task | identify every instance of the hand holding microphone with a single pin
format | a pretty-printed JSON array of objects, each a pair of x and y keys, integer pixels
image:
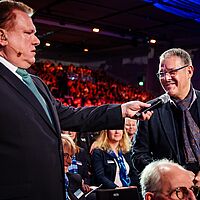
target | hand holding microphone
[
  {"x": 130, "y": 108},
  {"x": 140, "y": 110},
  {"x": 157, "y": 103}
]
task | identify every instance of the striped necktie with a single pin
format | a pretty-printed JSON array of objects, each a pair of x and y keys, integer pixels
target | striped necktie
[{"x": 29, "y": 82}]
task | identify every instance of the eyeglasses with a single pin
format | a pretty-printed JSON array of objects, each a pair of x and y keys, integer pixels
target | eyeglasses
[
  {"x": 182, "y": 192},
  {"x": 171, "y": 73},
  {"x": 66, "y": 155}
]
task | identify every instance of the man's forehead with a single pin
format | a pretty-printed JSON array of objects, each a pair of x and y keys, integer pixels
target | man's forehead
[
  {"x": 23, "y": 19},
  {"x": 170, "y": 65}
]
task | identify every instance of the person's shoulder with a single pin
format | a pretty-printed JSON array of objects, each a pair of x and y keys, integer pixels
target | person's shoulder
[
  {"x": 127, "y": 153},
  {"x": 82, "y": 150},
  {"x": 74, "y": 177},
  {"x": 82, "y": 153},
  {"x": 97, "y": 150}
]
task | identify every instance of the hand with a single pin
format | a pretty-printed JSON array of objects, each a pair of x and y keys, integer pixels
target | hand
[
  {"x": 132, "y": 186},
  {"x": 86, "y": 188},
  {"x": 130, "y": 108}
]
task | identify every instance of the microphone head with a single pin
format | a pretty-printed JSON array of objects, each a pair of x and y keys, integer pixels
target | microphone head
[{"x": 164, "y": 98}]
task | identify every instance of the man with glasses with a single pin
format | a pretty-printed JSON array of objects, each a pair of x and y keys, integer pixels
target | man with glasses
[
  {"x": 166, "y": 180},
  {"x": 173, "y": 131}
]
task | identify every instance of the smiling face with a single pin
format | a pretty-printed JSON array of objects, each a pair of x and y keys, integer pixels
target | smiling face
[
  {"x": 178, "y": 85},
  {"x": 130, "y": 126},
  {"x": 20, "y": 38}
]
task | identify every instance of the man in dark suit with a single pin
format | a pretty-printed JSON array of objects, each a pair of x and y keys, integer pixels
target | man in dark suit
[
  {"x": 170, "y": 132},
  {"x": 30, "y": 148}
]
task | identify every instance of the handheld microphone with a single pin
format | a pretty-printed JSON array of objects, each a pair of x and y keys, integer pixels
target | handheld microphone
[{"x": 157, "y": 103}]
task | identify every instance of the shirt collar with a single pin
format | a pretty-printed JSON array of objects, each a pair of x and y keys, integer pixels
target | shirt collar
[
  {"x": 193, "y": 99},
  {"x": 10, "y": 66}
]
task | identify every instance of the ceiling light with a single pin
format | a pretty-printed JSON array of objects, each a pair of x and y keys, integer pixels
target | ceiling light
[
  {"x": 47, "y": 44},
  {"x": 96, "y": 30},
  {"x": 85, "y": 49},
  {"x": 152, "y": 41}
]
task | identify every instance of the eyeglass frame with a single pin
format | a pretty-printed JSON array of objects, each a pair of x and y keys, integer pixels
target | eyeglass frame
[
  {"x": 184, "y": 192},
  {"x": 161, "y": 75},
  {"x": 66, "y": 155}
]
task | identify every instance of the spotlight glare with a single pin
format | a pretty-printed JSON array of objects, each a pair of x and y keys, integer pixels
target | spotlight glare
[
  {"x": 152, "y": 41},
  {"x": 47, "y": 44},
  {"x": 141, "y": 83},
  {"x": 96, "y": 30}
]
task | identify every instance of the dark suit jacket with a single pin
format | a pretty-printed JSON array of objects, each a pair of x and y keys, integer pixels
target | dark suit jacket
[
  {"x": 157, "y": 137},
  {"x": 82, "y": 158},
  {"x": 30, "y": 148},
  {"x": 75, "y": 184},
  {"x": 104, "y": 169}
]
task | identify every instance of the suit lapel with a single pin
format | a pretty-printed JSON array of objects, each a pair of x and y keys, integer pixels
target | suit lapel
[
  {"x": 167, "y": 121},
  {"x": 24, "y": 91},
  {"x": 198, "y": 103},
  {"x": 50, "y": 105}
]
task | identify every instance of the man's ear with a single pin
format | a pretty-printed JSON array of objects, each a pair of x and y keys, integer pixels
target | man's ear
[
  {"x": 190, "y": 71},
  {"x": 3, "y": 37},
  {"x": 149, "y": 196}
]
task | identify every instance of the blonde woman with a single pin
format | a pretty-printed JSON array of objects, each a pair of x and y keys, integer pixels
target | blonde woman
[
  {"x": 130, "y": 127},
  {"x": 111, "y": 160},
  {"x": 80, "y": 160}
]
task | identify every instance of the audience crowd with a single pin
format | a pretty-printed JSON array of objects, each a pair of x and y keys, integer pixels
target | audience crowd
[{"x": 82, "y": 86}]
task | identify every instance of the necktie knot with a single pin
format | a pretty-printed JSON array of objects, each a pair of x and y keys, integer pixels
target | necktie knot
[
  {"x": 183, "y": 105},
  {"x": 22, "y": 72}
]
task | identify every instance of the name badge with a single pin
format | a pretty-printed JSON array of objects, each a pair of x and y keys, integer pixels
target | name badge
[
  {"x": 110, "y": 161},
  {"x": 78, "y": 193},
  {"x": 79, "y": 163}
]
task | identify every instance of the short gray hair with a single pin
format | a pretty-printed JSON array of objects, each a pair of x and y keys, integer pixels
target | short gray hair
[
  {"x": 181, "y": 53},
  {"x": 151, "y": 176}
]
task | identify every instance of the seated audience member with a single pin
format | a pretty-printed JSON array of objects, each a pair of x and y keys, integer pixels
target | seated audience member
[
  {"x": 130, "y": 127},
  {"x": 111, "y": 160},
  {"x": 166, "y": 180},
  {"x": 80, "y": 160},
  {"x": 74, "y": 184},
  {"x": 85, "y": 139}
]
